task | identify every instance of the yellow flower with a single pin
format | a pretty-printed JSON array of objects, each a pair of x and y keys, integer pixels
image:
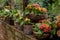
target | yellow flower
[
  {"x": 29, "y": 6},
  {"x": 16, "y": 14},
  {"x": 27, "y": 19},
  {"x": 21, "y": 17}
]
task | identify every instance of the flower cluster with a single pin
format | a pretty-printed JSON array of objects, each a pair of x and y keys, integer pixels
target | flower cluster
[
  {"x": 36, "y": 7},
  {"x": 45, "y": 27}
]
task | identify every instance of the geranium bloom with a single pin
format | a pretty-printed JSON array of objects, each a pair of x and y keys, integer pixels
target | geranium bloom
[{"x": 45, "y": 27}]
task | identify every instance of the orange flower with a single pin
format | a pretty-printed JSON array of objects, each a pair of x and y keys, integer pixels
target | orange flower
[
  {"x": 46, "y": 25},
  {"x": 44, "y": 10},
  {"x": 39, "y": 8},
  {"x": 45, "y": 28}
]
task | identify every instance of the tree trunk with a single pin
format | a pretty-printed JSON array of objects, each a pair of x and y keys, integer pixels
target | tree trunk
[
  {"x": 12, "y": 4},
  {"x": 25, "y": 2}
]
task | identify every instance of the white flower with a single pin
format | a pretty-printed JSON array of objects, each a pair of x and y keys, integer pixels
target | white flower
[{"x": 6, "y": 10}]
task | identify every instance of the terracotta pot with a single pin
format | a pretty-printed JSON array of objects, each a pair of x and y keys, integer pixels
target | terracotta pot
[
  {"x": 44, "y": 35},
  {"x": 28, "y": 29}
]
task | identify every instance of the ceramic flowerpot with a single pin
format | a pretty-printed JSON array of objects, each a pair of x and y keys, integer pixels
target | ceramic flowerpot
[
  {"x": 44, "y": 35},
  {"x": 28, "y": 29},
  {"x": 35, "y": 18}
]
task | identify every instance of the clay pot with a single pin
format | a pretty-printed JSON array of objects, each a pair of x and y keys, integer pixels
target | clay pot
[
  {"x": 44, "y": 35},
  {"x": 28, "y": 29}
]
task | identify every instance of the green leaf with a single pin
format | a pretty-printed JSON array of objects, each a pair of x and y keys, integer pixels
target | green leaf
[
  {"x": 53, "y": 25},
  {"x": 39, "y": 33},
  {"x": 36, "y": 29},
  {"x": 22, "y": 23},
  {"x": 26, "y": 12},
  {"x": 53, "y": 32},
  {"x": 38, "y": 24}
]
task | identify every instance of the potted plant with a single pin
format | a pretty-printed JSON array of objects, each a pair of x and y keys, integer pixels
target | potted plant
[
  {"x": 44, "y": 29},
  {"x": 35, "y": 12},
  {"x": 28, "y": 26}
]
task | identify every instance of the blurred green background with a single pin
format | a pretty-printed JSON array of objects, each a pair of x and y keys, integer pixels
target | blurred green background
[{"x": 54, "y": 8}]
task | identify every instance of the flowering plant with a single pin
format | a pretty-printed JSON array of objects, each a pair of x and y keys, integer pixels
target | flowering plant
[
  {"x": 35, "y": 9},
  {"x": 45, "y": 27}
]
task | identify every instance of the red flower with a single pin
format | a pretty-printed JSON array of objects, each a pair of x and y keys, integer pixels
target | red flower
[
  {"x": 42, "y": 27},
  {"x": 45, "y": 28}
]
